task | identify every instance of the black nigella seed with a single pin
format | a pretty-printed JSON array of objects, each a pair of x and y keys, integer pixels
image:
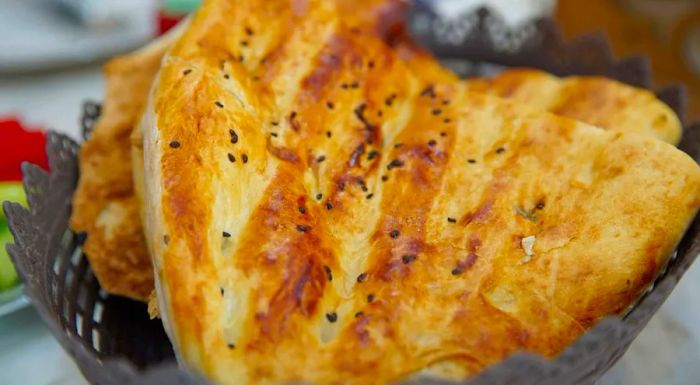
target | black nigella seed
[
  {"x": 436, "y": 111},
  {"x": 443, "y": 133},
  {"x": 408, "y": 258},
  {"x": 446, "y": 120},
  {"x": 432, "y": 143},
  {"x": 540, "y": 205},
  {"x": 275, "y": 123},
  {"x": 370, "y": 64},
  {"x": 319, "y": 196},
  {"x": 174, "y": 144},
  {"x": 241, "y": 58},
  {"x": 292, "y": 115},
  {"x": 248, "y": 31},
  {"x": 380, "y": 113},
  {"x": 385, "y": 178},
  {"x": 359, "y": 314},
  {"x": 320, "y": 159},
  {"x": 372, "y": 154},
  {"x": 362, "y": 277},
  {"x": 398, "y": 145},
  {"x": 302, "y": 209},
  {"x": 456, "y": 271},
  {"x": 234, "y": 136},
  {"x": 472, "y": 161},
  {"x": 329, "y": 104},
  {"x": 329, "y": 205},
  {"x": 273, "y": 134},
  {"x": 364, "y": 187},
  {"x": 451, "y": 220},
  {"x": 369, "y": 196},
  {"x": 226, "y": 235},
  {"x": 354, "y": 85},
  {"x": 500, "y": 150},
  {"x": 244, "y": 158},
  {"x": 329, "y": 273},
  {"x": 166, "y": 239},
  {"x": 331, "y": 317},
  {"x": 186, "y": 72},
  {"x": 370, "y": 297},
  {"x": 244, "y": 43},
  {"x": 221, "y": 289},
  {"x": 428, "y": 91},
  {"x": 328, "y": 134},
  {"x": 445, "y": 102},
  {"x": 219, "y": 104},
  {"x": 303, "y": 228},
  {"x": 226, "y": 76},
  {"x": 344, "y": 86},
  {"x": 394, "y": 164},
  {"x": 231, "y": 346},
  {"x": 394, "y": 233}
]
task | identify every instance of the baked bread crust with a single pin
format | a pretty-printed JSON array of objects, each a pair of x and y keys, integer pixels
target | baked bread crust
[
  {"x": 356, "y": 247},
  {"x": 596, "y": 100}
]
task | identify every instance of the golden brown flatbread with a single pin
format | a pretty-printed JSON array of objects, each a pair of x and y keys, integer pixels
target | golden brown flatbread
[
  {"x": 104, "y": 203},
  {"x": 318, "y": 212}
]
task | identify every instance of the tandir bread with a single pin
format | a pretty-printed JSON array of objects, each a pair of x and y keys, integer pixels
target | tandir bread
[
  {"x": 104, "y": 205},
  {"x": 317, "y": 211}
]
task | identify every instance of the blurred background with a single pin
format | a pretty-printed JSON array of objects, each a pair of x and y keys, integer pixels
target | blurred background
[{"x": 51, "y": 52}]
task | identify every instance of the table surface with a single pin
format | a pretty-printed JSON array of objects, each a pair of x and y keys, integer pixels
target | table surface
[{"x": 667, "y": 351}]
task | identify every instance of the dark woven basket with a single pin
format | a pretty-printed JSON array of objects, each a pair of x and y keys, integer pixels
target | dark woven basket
[{"x": 113, "y": 341}]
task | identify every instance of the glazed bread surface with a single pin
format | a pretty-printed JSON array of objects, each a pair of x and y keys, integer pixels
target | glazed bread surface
[
  {"x": 104, "y": 202},
  {"x": 316, "y": 211}
]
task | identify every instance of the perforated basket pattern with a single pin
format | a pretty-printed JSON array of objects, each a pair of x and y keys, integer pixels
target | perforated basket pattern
[{"x": 113, "y": 341}]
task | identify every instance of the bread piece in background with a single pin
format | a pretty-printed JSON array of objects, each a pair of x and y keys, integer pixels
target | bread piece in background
[
  {"x": 477, "y": 227},
  {"x": 667, "y": 32},
  {"x": 599, "y": 101},
  {"x": 104, "y": 204}
]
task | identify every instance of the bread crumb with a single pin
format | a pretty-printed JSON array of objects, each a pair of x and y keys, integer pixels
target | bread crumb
[
  {"x": 528, "y": 244},
  {"x": 153, "y": 311}
]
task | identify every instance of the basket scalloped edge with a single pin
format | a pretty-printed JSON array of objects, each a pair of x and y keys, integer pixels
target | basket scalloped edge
[{"x": 42, "y": 228}]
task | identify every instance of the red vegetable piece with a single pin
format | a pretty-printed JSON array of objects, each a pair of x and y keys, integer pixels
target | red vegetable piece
[
  {"x": 17, "y": 145},
  {"x": 167, "y": 21}
]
